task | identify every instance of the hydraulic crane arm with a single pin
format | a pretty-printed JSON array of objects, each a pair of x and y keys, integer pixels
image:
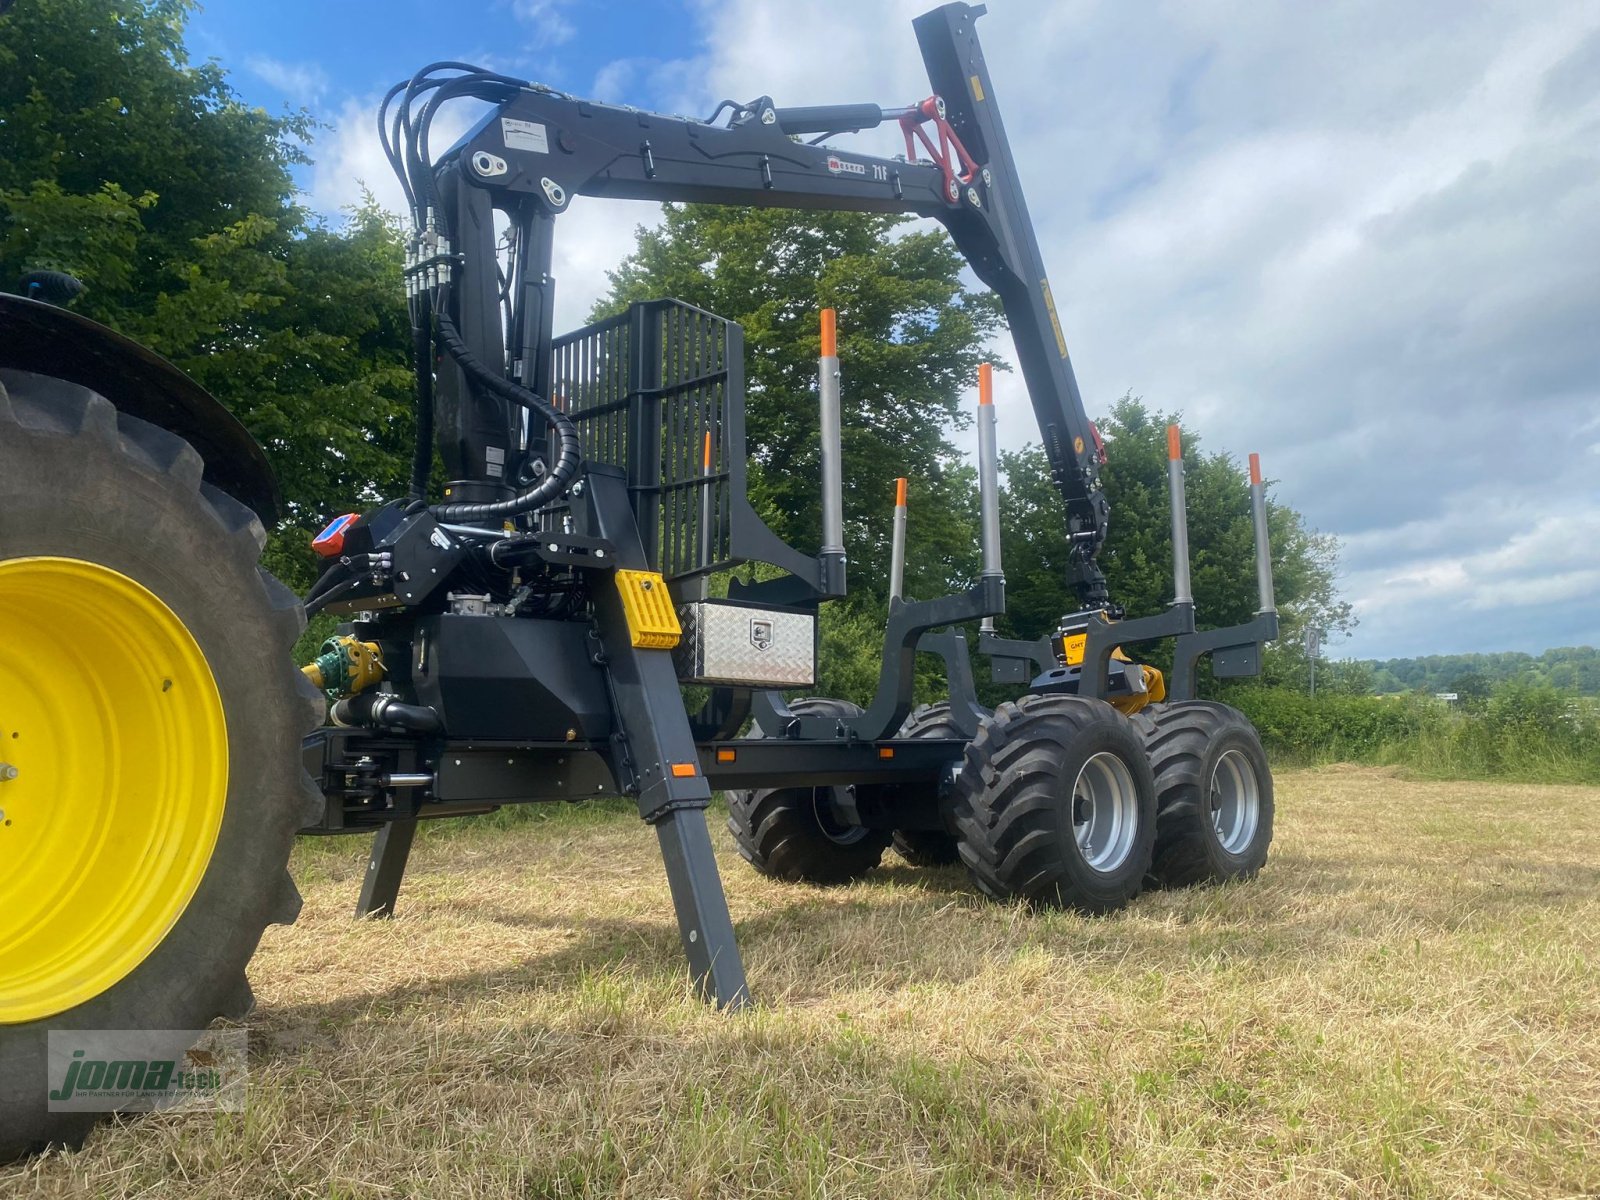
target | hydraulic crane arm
[{"x": 537, "y": 149}]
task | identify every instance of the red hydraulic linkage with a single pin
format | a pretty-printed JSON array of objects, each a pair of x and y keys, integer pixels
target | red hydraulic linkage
[{"x": 947, "y": 154}]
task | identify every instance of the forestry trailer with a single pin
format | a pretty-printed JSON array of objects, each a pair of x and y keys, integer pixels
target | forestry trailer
[{"x": 526, "y": 633}]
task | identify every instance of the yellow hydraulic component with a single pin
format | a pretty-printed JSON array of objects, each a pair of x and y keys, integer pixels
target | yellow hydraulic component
[
  {"x": 1155, "y": 684},
  {"x": 1155, "y": 691},
  {"x": 647, "y": 605},
  {"x": 1072, "y": 649},
  {"x": 345, "y": 666},
  {"x": 113, "y": 780}
]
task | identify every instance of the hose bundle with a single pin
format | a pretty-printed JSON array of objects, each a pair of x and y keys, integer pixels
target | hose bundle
[{"x": 405, "y": 143}]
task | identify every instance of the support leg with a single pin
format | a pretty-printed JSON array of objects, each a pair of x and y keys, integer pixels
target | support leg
[
  {"x": 655, "y": 760},
  {"x": 385, "y": 868},
  {"x": 703, "y": 920}
]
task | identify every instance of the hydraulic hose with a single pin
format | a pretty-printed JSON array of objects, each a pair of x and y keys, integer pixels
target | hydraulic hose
[
  {"x": 422, "y": 353},
  {"x": 379, "y": 708},
  {"x": 569, "y": 453}
]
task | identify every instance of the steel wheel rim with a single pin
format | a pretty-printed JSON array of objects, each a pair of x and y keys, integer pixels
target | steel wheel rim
[
  {"x": 1105, "y": 812},
  {"x": 835, "y": 830},
  {"x": 116, "y": 777},
  {"x": 1235, "y": 801}
]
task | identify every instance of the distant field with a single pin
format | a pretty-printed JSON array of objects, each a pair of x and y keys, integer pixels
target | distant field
[{"x": 1406, "y": 1003}]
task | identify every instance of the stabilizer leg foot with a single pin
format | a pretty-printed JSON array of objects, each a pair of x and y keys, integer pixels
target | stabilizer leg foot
[
  {"x": 385, "y": 868},
  {"x": 703, "y": 920}
]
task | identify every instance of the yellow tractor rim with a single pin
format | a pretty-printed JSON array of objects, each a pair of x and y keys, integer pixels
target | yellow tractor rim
[{"x": 113, "y": 778}]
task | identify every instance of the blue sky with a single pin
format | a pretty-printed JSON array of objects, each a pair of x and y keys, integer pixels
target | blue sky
[
  {"x": 1355, "y": 237},
  {"x": 299, "y": 52}
]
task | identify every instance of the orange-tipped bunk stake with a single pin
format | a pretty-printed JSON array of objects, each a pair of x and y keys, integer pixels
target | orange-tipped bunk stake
[
  {"x": 1258, "y": 518},
  {"x": 832, "y": 554},
  {"x": 1181, "y": 592},
  {"x": 897, "y": 544},
  {"x": 707, "y": 509},
  {"x": 988, "y": 474}
]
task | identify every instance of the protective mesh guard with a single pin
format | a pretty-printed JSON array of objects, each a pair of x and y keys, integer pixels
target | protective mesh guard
[{"x": 659, "y": 392}]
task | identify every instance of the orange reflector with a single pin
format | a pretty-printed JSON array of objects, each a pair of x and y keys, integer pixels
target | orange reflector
[
  {"x": 726, "y": 755},
  {"x": 1174, "y": 442},
  {"x": 1255, "y": 468},
  {"x": 705, "y": 460},
  {"x": 985, "y": 384},
  {"x": 900, "y": 492},
  {"x": 830, "y": 336},
  {"x": 683, "y": 770},
  {"x": 885, "y": 751}
]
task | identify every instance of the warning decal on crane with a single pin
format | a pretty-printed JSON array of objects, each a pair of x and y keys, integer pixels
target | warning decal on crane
[
  {"x": 1055, "y": 321},
  {"x": 524, "y": 135}
]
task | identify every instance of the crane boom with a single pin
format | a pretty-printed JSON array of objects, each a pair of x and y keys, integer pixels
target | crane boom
[{"x": 537, "y": 149}]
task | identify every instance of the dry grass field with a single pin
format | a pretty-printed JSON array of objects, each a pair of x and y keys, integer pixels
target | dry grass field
[{"x": 1406, "y": 1003}]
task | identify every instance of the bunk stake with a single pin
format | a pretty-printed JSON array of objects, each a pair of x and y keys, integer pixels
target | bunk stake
[
  {"x": 832, "y": 555},
  {"x": 1181, "y": 593},
  {"x": 988, "y": 472},
  {"x": 897, "y": 546},
  {"x": 1258, "y": 518}
]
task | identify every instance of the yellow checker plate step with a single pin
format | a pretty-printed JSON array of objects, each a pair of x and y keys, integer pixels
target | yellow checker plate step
[{"x": 647, "y": 605}]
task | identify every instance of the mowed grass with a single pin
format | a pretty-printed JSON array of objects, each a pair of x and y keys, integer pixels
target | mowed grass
[{"x": 1405, "y": 1003}]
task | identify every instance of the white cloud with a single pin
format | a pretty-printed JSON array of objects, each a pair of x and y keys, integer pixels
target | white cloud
[
  {"x": 301, "y": 83},
  {"x": 1353, "y": 237},
  {"x": 592, "y": 237},
  {"x": 550, "y": 25}
]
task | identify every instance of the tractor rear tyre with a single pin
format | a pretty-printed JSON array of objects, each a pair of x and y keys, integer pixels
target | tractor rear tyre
[
  {"x": 150, "y": 726},
  {"x": 1213, "y": 793},
  {"x": 1055, "y": 805},
  {"x": 928, "y": 847},
  {"x": 796, "y": 834}
]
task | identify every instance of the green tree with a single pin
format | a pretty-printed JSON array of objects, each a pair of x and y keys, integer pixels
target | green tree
[
  {"x": 143, "y": 174},
  {"x": 105, "y": 118},
  {"x": 1472, "y": 691},
  {"x": 910, "y": 341},
  {"x": 1137, "y": 556}
]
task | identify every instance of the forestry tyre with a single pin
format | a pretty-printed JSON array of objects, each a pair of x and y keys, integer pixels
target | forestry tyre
[
  {"x": 1055, "y": 805},
  {"x": 1213, "y": 793},
  {"x": 794, "y": 834},
  {"x": 928, "y": 847},
  {"x": 150, "y": 720}
]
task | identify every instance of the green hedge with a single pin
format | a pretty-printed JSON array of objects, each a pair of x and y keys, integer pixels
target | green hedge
[
  {"x": 1333, "y": 727},
  {"x": 1524, "y": 732}
]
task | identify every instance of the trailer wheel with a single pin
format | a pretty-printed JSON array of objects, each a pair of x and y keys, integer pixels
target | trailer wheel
[
  {"x": 150, "y": 723},
  {"x": 1213, "y": 793},
  {"x": 1055, "y": 805},
  {"x": 796, "y": 834},
  {"x": 928, "y": 847}
]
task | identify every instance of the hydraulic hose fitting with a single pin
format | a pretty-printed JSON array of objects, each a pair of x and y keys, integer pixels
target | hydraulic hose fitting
[{"x": 377, "y": 709}]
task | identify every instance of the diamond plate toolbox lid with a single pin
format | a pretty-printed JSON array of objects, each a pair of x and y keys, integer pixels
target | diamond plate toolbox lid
[{"x": 740, "y": 644}]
